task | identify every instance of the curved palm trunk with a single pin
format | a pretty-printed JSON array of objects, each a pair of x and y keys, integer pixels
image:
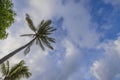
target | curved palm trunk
[{"x": 14, "y": 52}]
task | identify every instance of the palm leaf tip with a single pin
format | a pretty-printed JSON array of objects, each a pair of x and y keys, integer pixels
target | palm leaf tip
[
  {"x": 27, "y": 15},
  {"x": 27, "y": 49},
  {"x": 48, "y": 22},
  {"x": 30, "y": 23},
  {"x": 51, "y": 39}
]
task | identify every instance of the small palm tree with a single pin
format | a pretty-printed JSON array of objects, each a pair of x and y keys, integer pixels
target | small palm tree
[
  {"x": 15, "y": 72},
  {"x": 40, "y": 36}
]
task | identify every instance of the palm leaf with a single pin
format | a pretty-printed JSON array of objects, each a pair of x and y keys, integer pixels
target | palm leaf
[
  {"x": 28, "y": 35},
  {"x": 44, "y": 25},
  {"x": 41, "y": 45},
  {"x": 46, "y": 43},
  {"x": 3, "y": 69},
  {"x": 51, "y": 29},
  {"x": 30, "y": 23},
  {"x": 42, "y": 22},
  {"x": 50, "y": 39},
  {"x": 19, "y": 70},
  {"x": 27, "y": 50},
  {"x": 8, "y": 67},
  {"x": 15, "y": 67}
]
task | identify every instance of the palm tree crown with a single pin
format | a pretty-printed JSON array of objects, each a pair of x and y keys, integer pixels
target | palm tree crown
[
  {"x": 40, "y": 36},
  {"x": 15, "y": 72}
]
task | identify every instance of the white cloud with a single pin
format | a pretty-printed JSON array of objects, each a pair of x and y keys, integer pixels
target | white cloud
[
  {"x": 71, "y": 62},
  {"x": 54, "y": 69},
  {"x": 117, "y": 43},
  {"x": 107, "y": 68},
  {"x": 77, "y": 23},
  {"x": 77, "y": 20}
]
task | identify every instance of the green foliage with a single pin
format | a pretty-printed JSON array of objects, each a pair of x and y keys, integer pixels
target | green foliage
[
  {"x": 6, "y": 17},
  {"x": 41, "y": 34},
  {"x": 15, "y": 72}
]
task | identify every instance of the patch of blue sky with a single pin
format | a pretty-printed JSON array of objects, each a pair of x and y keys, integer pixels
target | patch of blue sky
[
  {"x": 59, "y": 21},
  {"x": 76, "y": 1},
  {"x": 117, "y": 77},
  {"x": 60, "y": 33},
  {"x": 102, "y": 14},
  {"x": 59, "y": 52},
  {"x": 100, "y": 11},
  {"x": 83, "y": 73},
  {"x": 64, "y": 2},
  {"x": 111, "y": 28},
  {"x": 107, "y": 19},
  {"x": 91, "y": 55},
  {"x": 20, "y": 5}
]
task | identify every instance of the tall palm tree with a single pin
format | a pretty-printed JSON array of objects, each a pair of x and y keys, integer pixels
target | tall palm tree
[
  {"x": 15, "y": 72},
  {"x": 40, "y": 36}
]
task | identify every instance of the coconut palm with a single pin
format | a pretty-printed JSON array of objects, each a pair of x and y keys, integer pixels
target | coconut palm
[
  {"x": 15, "y": 72},
  {"x": 40, "y": 36}
]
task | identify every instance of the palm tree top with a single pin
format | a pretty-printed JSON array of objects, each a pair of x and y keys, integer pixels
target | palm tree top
[
  {"x": 41, "y": 34},
  {"x": 15, "y": 72}
]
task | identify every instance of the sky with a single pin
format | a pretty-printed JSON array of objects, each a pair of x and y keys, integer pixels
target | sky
[{"x": 87, "y": 39}]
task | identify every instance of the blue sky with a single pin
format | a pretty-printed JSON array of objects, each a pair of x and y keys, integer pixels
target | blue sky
[{"x": 87, "y": 39}]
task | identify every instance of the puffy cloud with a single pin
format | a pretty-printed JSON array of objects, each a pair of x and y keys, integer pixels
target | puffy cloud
[
  {"x": 77, "y": 20},
  {"x": 107, "y": 68},
  {"x": 71, "y": 61},
  {"x": 54, "y": 69},
  {"x": 80, "y": 33}
]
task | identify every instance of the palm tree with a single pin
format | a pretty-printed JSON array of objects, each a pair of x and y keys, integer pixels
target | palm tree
[
  {"x": 15, "y": 72},
  {"x": 40, "y": 36}
]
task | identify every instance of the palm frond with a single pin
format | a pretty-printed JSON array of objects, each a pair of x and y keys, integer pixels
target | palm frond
[
  {"x": 50, "y": 29},
  {"x": 50, "y": 39},
  {"x": 46, "y": 43},
  {"x": 30, "y": 35},
  {"x": 41, "y": 45},
  {"x": 42, "y": 22},
  {"x": 3, "y": 69},
  {"x": 44, "y": 25},
  {"x": 22, "y": 71},
  {"x": 44, "y": 30},
  {"x": 27, "y": 49},
  {"x": 15, "y": 67},
  {"x": 19, "y": 70},
  {"x": 30, "y": 23},
  {"x": 8, "y": 67}
]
